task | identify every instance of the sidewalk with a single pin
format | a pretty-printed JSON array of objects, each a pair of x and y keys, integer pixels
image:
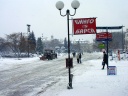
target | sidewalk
[{"x": 96, "y": 82}]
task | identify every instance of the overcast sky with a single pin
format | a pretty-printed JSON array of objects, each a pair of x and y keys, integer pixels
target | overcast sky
[{"x": 45, "y": 19}]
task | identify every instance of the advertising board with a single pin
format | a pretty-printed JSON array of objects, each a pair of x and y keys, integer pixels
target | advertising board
[
  {"x": 84, "y": 26},
  {"x": 111, "y": 70},
  {"x": 103, "y": 36}
]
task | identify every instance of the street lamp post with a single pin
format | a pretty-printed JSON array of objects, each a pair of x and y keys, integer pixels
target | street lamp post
[
  {"x": 59, "y": 5},
  {"x": 28, "y": 30}
]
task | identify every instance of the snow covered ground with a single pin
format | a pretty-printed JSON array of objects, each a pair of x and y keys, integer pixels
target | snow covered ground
[
  {"x": 88, "y": 80},
  {"x": 93, "y": 81}
]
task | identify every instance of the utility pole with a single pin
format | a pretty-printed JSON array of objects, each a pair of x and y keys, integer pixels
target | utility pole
[{"x": 28, "y": 31}]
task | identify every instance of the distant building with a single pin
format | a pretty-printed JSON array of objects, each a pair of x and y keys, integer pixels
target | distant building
[{"x": 126, "y": 40}]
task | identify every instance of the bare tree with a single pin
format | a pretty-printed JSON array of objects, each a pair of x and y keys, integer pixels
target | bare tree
[
  {"x": 116, "y": 42},
  {"x": 3, "y": 47},
  {"x": 53, "y": 43},
  {"x": 13, "y": 41},
  {"x": 23, "y": 44}
]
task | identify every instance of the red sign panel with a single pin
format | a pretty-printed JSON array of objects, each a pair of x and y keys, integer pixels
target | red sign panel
[
  {"x": 103, "y": 35},
  {"x": 84, "y": 26}
]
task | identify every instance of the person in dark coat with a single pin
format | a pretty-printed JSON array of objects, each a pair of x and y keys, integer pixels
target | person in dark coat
[
  {"x": 105, "y": 59},
  {"x": 74, "y": 54},
  {"x": 79, "y": 57}
]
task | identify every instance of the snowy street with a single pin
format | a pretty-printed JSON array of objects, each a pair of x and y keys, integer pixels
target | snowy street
[
  {"x": 33, "y": 76},
  {"x": 63, "y": 48}
]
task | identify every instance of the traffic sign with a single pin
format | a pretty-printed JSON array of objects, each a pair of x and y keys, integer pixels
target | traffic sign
[{"x": 101, "y": 46}]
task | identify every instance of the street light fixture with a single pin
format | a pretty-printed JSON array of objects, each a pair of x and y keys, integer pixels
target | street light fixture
[{"x": 60, "y": 5}]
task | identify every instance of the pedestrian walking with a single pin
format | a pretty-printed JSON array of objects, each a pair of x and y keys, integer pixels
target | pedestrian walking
[
  {"x": 74, "y": 54},
  {"x": 77, "y": 57},
  {"x": 105, "y": 60}
]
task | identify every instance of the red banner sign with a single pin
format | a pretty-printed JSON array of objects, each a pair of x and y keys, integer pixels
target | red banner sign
[
  {"x": 84, "y": 26},
  {"x": 103, "y": 35}
]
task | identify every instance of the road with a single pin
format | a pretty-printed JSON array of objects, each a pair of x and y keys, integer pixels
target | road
[{"x": 23, "y": 79}]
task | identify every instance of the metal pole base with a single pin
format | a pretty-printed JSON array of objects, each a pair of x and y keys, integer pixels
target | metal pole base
[
  {"x": 70, "y": 83},
  {"x": 69, "y": 87}
]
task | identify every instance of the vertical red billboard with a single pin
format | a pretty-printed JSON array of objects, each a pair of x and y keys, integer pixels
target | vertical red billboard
[{"x": 84, "y": 26}]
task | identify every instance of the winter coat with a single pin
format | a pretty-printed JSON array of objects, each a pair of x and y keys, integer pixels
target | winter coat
[
  {"x": 80, "y": 55},
  {"x": 105, "y": 58}
]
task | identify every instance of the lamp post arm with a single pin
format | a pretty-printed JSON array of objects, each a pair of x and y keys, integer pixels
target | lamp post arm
[
  {"x": 74, "y": 13},
  {"x": 62, "y": 15},
  {"x": 68, "y": 13}
]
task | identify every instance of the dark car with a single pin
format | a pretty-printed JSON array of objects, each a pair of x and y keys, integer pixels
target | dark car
[{"x": 50, "y": 54}]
